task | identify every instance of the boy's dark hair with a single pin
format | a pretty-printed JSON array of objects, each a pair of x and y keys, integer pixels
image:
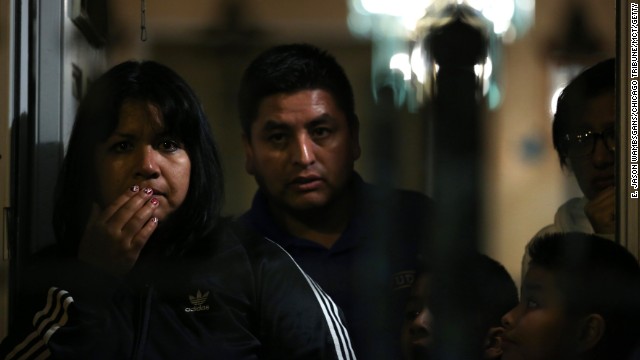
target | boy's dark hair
[
  {"x": 592, "y": 82},
  {"x": 488, "y": 291},
  {"x": 595, "y": 275},
  {"x": 98, "y": 116},
  {"x": 288, "y": 69},
  {"x": 492, "y": 290}
]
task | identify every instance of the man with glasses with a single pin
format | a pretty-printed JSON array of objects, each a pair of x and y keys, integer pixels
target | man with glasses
[{"x": 584, "y": 137}]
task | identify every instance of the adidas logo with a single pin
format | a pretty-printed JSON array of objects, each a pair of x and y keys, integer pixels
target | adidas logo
[{"x": 198, "y": 302}]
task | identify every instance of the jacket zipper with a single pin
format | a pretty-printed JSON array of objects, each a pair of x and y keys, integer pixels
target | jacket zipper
[{"x": 142, "y": 327}]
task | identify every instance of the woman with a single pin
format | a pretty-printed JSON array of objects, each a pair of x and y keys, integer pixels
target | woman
[
  {"x": 584, "y": 137},
  {"x": 145, "y": 267}
]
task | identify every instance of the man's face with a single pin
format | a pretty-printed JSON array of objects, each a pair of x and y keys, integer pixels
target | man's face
[
  {"x": 539, "y": 328},
  {"x": 595, "y": 172},
  {"x": 301, "y": 150}
]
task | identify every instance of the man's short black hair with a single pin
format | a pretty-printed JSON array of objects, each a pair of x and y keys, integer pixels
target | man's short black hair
[
  {"x": 288, "y": 69},
  {"x": 592, "y": 82}
]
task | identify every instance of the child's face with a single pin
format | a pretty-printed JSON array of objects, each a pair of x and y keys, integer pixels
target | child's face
[
  {"x": 539, "y": 328},
  {"x": 417, "y": 334}
]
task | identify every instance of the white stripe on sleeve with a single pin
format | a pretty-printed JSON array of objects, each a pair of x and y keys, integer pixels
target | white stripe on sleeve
[
  {"x": 330, "y": 310},
  {"x": 58, "y": 300}
]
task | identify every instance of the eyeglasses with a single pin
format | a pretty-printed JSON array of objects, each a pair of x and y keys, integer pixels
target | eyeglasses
[{"x": 583, "y": 144}]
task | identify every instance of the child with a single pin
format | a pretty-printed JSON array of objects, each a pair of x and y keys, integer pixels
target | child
[
  {"x": 489, "y": 292},
  {"x": 580, "y": 300}
]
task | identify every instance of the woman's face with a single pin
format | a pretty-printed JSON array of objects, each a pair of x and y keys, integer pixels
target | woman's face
[
  {"x": 140, "y": 152},
  {"x": 596, "y": 172}
]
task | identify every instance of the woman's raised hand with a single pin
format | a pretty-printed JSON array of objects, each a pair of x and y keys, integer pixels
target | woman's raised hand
[
  {"x": 601, "y": 211},
  {"x": 115, "y": 235}
]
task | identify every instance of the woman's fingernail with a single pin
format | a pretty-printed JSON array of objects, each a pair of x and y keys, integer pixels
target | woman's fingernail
[
  {"x": 154, "y": 219},
  {"x": 154, "y": 201},
  {"x": 147, "y": 191},
  {"x": 134, "y": 188}
]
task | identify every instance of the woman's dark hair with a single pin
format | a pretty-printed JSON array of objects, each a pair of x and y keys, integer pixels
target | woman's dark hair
[
  {"x": 96, "y": 119},
  {"x": 592, "y": 82},
  {"x": 290, "y": 68}
]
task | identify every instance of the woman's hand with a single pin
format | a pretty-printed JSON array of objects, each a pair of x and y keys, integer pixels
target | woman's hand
[
  {"x": 115, "y": 236},
  {"x": 601, "y": 212}
]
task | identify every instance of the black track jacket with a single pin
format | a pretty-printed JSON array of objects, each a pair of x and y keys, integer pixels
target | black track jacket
[{"x": 241, "y": 298}]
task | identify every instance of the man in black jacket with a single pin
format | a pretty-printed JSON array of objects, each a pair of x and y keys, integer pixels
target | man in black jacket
[{"x": 358, "y": 241}]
